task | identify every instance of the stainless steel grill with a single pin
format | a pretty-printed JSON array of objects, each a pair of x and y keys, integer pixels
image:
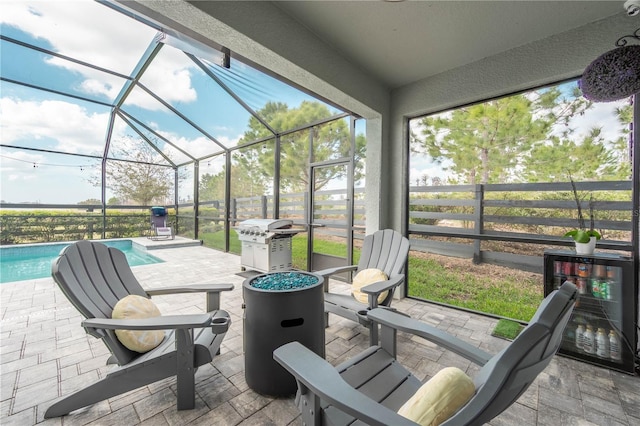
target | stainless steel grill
[{"x": 266, "y": 244}]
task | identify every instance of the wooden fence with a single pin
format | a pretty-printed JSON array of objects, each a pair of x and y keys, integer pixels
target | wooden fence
[
  {"x": 468, "y": 220},
  {"x": 329, "y": 210}
]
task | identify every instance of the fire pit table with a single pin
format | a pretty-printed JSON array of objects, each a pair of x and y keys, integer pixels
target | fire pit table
[{"x": 279, "y": 308}]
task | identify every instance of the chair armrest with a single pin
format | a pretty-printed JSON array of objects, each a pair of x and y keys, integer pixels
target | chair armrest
[
  {"x": 400, "y": 322},
  {"x": 381, "y": 286},
  {"x": 212, "y": 290},
  {"x": 163, "y": 322},
  {"x": 337, "y": 270},
  {"x": 323, "y": 380},
  {"x": 195, "y": 288}
]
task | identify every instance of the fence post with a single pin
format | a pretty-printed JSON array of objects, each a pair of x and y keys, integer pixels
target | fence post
[
  {"x": 233, "y": 212},
  {"x": 478, "y": 210},
  {"x": 263, "y": 206}
]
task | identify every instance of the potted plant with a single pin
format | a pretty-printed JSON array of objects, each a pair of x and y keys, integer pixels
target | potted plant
[{"x": 585, "y": 239}]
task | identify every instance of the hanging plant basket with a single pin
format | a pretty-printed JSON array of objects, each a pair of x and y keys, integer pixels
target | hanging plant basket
[{"x": 612, "y": 76}]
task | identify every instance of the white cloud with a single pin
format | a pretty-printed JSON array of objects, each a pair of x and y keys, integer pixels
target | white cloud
[
  {"x": 18, "y": 177},
  {"x": 18, "y": 164},
  {"x": 229, "y": 142},
  {"x": 169, "y": 77},
  {"x": 82, "y": 29},
  {"x": 93, "y": 33},
  {"x": 600, "y": 115},
  {"x": 198, "y": 147},
  {"x": 71, "y": 127}
]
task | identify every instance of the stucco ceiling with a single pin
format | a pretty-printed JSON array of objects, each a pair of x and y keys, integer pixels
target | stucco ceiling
[{"x": 402, "y": 42}]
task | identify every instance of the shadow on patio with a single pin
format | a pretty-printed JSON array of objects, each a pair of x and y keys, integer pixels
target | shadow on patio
[{"x": 46, "y": 354}]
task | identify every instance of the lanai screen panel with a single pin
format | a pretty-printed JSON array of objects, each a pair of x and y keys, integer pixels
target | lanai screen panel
[
  {"x": 153, "y": 116},
  {"x": 332, "y": 141},
  {"x": 186, "y": 185},
  {"x": 360, "y": 174},
  {"x": 130, "y": 129},
  {"x": 48, "y": 178},
  {"x": 84, "y": 30},
  {"x": 48, "y": 72},
  {"x": 47, "y": 121},
  {"x": 252, "y": 182},
  {"x": 264, "y": 94},
  {"x": 197, "y": 97},
  {"x": 212, "y": 203},
  {"x": 139, "y": 183}
]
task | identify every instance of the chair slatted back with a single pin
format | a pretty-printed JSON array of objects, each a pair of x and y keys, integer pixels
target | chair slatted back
[
  {"x": 386, "y": 250},
  {"x": 509, "y": 373},
  {"x": 94, "y": 278}
]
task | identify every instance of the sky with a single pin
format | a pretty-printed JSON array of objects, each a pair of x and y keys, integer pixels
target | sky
[{"x": 84, "y": 30}]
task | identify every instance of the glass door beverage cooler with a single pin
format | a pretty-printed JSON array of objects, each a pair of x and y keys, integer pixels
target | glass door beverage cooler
[{"x": 602, "y": 329}]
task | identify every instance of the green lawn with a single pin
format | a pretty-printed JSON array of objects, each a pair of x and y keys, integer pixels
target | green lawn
[
  {"x": 501, "y": 295},
  {"x": 216, "y": 240}
]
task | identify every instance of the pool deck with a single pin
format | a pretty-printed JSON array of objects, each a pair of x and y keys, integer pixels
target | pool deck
[{"x": 45, "y": 354}]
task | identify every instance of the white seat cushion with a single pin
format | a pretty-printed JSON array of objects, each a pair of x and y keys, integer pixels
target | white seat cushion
[
  {"x": 363, "y": 279},
  {"x": 137, "y": 307},
  {"x": 439, "y": 398}
]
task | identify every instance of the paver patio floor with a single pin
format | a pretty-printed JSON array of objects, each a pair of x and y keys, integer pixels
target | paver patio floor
[{"x": 45, "y": 354}]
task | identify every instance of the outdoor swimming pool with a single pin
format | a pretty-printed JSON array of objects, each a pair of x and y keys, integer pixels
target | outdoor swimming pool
[{"x": 19, "y": 263}]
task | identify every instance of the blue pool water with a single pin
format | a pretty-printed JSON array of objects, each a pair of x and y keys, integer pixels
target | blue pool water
[{"x": 18, "y": 263}]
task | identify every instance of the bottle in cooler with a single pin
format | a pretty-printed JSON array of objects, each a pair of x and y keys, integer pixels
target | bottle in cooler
[
  {"x": 614, "y": 346},
  {"x": 580, "y": 337},
  {"x": 583, "y": 270},
  {"x": 581, "y": 283},
  {"x": 604, "y": 290},
  {"x": 599, "y": 271},
  {"x": 595, "y": 287},
  {"x": 602, "y": 344},
  {"x": 589, "y": 341}
]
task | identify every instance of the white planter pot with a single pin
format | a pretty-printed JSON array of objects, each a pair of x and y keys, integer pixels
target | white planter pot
[{"x": 586, "y": 248}]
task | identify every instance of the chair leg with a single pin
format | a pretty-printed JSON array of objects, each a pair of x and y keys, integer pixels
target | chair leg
[
  {"x": 373, "y": 333},
  {"x": 185, "y": 376},
  {"x": 125, "y": 379},
  {"x": 309, "y": 406},
  {"x": 112, "y": 385}
]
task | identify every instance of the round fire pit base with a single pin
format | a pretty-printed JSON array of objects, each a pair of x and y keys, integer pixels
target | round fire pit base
[{"x": 280, "y": 307}]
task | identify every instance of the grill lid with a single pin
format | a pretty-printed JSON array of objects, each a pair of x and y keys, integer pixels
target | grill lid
[{"x": 266, "y": 225}]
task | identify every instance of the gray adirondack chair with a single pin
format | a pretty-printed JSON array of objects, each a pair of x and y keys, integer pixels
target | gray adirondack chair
[
  {"x": 372, "y": 386},
  {"x": 94, "y": 277},
  {"x": 386, "y": 250}
]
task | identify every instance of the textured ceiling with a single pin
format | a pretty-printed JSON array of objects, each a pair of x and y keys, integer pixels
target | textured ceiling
[{"x": 401, "y": 42}]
